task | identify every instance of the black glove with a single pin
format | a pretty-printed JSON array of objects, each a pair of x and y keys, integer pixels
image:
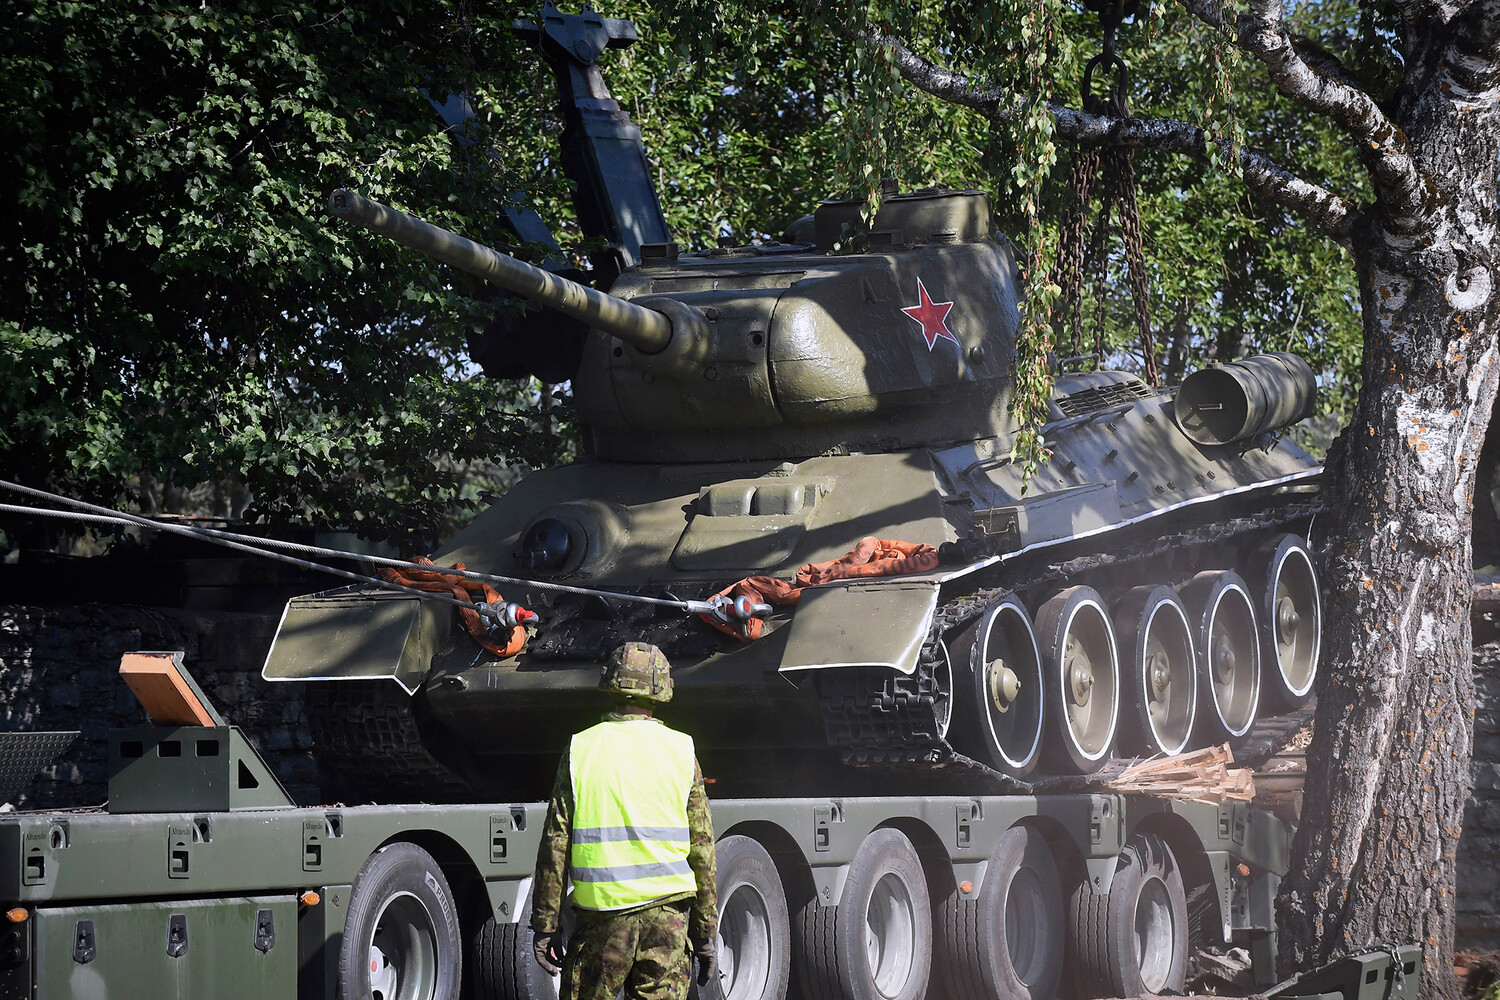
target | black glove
[
  {"x": 546, "y": 953},
  {"x": 706, "y": 952}
]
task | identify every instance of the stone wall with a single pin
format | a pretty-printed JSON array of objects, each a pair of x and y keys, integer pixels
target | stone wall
[{"x": 59, "y": 670}]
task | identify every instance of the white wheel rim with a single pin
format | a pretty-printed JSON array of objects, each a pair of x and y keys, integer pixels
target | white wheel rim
[
  {"x": 745, "y": 944},
  {"x": 1296, "y": 621},
  {"x": 890, "y": 935},
  {"x": 1089, "y": 683},
  {"x": 1232, "y": 659},
  {"x": 1015, "y": 730},
  {"x": 1155, "y": 934},
  {"x": 1169, "y": 700},
  {"x": 403, "y": 951},
  {"x": 1026, "y": 926},
  {"x": 942, "y": 703}
]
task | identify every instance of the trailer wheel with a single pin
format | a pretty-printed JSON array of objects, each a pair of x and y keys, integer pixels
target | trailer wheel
[
  {"x": 1083, "y": 678},
  {"x": 1228, "y": 647},
  {"x": 1133, "y": 939},
  {"x": 401, "y": 938},
  {"x": 1008, "y": 943},
  {"x": 876, "y": 944},
  {"x": 755, "y": 948},
  {"x": 500, "y": 964},
  {"x": 1291, "y": 620}
]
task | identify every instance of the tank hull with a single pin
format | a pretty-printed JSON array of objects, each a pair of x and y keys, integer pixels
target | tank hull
[{"x": 762, "y": 708}]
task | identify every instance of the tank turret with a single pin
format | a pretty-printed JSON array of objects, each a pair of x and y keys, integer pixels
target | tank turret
[
  {"x": 760, "y": 421},
  {"x": 780, "y": 351}
]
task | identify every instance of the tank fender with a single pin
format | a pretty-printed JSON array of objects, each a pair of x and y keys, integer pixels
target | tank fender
[
  {"x": 349, "y": 634},
  {"x": 865, "y": 623},
  {"x": 1045, "y": 517}
]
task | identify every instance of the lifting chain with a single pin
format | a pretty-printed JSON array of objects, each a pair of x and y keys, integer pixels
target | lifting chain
[{"x": 1077, "y": 256}]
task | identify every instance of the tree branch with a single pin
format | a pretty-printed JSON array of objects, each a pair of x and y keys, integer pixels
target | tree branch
[
  {"x": 1383, "y": 147},
  {"x": 1332, "y": 214},
  {"x": 1471, "y": 63}
]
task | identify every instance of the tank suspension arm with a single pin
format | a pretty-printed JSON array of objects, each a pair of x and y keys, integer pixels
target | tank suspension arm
[{"x": 642, "y": 328}]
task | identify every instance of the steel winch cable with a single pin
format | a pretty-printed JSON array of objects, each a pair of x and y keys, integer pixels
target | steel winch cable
[
  {"x": 263, "y": 547},
  {"x": 195, "y": 532}
]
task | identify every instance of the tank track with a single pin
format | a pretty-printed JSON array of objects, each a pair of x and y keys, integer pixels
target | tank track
[
  {"x": 366, "y": 733},
  {"x": 878, "y": 719}
]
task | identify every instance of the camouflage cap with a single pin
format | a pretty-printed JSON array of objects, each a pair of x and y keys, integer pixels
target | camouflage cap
[{"x": 637, "y": 669}]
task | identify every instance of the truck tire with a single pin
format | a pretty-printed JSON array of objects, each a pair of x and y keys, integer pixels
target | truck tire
[
  {"x": 876, "y": 944},
  {"x": 1008, "y": 943},
  {"x": 500, "y": 963},
  {"x": 755, "y": 947},
  {"x": 401, "y": 937},
  {"x": 1133, "y": 939}
]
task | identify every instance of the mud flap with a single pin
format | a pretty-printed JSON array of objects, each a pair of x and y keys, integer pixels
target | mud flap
[
  {"x": 351, "y": 634},
  {"x": 861, "y": 624}
]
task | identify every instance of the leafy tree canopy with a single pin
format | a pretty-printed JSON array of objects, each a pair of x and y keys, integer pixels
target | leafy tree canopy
[{"x": 175, "y": 302}]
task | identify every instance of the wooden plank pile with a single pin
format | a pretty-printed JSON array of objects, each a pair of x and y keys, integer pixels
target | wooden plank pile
[{"x": 1206, "y": 775}]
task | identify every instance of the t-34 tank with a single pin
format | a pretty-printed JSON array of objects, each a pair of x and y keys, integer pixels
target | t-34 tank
[{"x": 754, "y": 409}]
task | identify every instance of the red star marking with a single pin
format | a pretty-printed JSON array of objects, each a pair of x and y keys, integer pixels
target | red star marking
[{"x": 932, "y": 315}]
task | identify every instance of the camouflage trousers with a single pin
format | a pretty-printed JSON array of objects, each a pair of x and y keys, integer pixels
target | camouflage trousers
[{"x": 644, "y": 953}]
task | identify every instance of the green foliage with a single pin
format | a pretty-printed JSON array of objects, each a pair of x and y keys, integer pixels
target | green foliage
[
  {"x": 1228, "y": 274},
  {"x": 176, "y": 303},
  {"x": 174, "y": 299}
]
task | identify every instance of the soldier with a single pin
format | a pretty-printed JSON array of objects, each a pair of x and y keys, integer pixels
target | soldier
[{"x": 629, "y": 821}]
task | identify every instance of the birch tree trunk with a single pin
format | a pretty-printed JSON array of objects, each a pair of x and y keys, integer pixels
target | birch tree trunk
[{"x": 1373, "y": 860}]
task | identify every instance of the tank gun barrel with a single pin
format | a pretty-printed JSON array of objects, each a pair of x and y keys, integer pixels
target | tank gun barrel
[{"x": 643, "y": 328}]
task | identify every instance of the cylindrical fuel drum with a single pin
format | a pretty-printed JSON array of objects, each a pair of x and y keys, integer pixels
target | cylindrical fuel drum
[{"x": 1244, "y": 398}]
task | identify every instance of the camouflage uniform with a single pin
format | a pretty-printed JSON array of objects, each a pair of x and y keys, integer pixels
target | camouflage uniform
[{"x": 642, "y": 950}]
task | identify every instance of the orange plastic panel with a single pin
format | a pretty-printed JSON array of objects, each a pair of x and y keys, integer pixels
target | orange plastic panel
[{"x": 162, "y": 692}]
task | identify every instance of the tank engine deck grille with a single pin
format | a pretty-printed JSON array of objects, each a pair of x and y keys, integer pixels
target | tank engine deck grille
[{"x": 1100, "y": 397}]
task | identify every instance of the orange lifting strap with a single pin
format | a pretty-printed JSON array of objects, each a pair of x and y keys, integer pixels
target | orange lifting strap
[
  {"x": 440, "y": 582},
  {"x": 871, "y": 557}
]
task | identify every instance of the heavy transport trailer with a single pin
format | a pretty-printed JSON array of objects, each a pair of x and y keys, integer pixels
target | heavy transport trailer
[{"x": 201, "y": 878}]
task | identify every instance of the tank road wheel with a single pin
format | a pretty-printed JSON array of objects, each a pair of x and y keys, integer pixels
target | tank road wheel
[
  {"x": 1002, "y": 694},
  {"x": 401, "y": 939},
  {"x": 1291, "y": 620},
  {"x": 1008, "y": 944},
  {"x": 1161, "y": 679},
  {"x": 1133, "y": 939},
  {"x": 1083, "y": 680},
  {"x": 1228, "y": 649},
  {"x": 755, "y": 949},
  {"x": 876, "y": 944}
]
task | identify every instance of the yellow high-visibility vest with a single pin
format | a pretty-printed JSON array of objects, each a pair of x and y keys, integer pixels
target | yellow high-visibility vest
[{"x": 631, "y": 780}]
